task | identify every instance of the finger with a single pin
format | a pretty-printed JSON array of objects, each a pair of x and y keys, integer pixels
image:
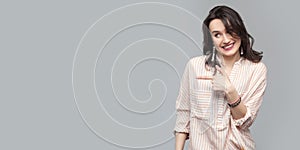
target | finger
[
  {"x": 220, "y": 70},
  {"x": 218, "y": 87}
]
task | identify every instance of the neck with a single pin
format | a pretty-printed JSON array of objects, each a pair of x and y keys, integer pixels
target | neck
[{"x": 230, "y": 60}]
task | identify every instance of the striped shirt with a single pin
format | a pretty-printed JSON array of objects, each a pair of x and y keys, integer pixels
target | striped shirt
[{"x": 204, "y": 113}]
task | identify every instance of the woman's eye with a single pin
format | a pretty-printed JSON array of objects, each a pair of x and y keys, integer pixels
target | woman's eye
[{"x": 217, "y": 35}]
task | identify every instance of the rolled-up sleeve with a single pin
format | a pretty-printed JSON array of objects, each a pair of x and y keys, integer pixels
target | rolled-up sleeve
[
  {"x": 253, "y": 98},
  {"x": 183, "y": 104}
]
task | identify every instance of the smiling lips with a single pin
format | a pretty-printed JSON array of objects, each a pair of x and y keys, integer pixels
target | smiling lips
[{"x": 228, "y": 47}]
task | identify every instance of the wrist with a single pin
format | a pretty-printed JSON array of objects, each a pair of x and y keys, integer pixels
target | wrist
[
  {"x": 235, "y": 103},
  {"x": 229, "y": 90},
  {"x": 231, "y": 94}
]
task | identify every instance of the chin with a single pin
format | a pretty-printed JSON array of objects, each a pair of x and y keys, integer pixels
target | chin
[{"x": 230, "y": 53}]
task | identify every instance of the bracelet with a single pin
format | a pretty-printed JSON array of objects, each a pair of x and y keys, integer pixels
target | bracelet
[{"x": 236, "y": 103}]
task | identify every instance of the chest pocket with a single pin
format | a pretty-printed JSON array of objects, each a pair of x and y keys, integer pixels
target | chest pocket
[
  {"x": 202, "y": 85},
  {"x": 200, "y": 103}
]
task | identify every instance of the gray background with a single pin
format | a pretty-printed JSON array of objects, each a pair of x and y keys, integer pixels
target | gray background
[{"x": 39, "y": 41}]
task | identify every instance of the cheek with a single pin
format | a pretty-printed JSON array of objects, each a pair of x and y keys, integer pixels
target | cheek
[
  {"x": 238, "y": 43},
  {"x": 217, "y": 41}
]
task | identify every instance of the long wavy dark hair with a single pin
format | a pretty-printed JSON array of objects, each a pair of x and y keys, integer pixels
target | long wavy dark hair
[{"x": 235, "y": 27}]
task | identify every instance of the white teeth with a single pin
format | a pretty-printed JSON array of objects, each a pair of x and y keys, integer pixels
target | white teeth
[{"x": 229, "y": 46}]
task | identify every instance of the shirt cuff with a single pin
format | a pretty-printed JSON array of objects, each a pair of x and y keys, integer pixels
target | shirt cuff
[
  {"x": 188, "y": 134},
  {"x": 241, "y": 121}
]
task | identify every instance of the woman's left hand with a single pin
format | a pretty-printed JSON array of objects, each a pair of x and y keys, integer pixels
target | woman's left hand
[{"x": 221, "y": 82}]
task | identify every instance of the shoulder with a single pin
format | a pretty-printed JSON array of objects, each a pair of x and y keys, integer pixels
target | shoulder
[
  {"x": 258, "y": 67},
  {"x": 197, "y": 60}
]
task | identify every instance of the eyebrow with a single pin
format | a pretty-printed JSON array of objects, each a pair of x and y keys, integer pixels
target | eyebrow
[{"x": 215, "y": 31}]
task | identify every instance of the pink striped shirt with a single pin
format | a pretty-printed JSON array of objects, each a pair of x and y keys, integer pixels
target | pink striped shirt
[{"x": 205, "y": 115}]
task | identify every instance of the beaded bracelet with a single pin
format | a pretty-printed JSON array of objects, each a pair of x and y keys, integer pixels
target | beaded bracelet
[{"x": 236, "y": 103}]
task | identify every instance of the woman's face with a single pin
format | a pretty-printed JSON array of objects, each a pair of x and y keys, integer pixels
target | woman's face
[{"x": 226, "y": 44}]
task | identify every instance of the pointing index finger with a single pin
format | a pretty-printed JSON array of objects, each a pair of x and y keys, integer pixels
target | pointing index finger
[{"x": 220, "y": 69}]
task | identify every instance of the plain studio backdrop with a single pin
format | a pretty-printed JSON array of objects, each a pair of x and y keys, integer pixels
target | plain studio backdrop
[{"x": 39, "y": 41}]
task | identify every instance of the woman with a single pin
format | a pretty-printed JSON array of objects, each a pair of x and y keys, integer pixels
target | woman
[{"x": 221, "y": 92}]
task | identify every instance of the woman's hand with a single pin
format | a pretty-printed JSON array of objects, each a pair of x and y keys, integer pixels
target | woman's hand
[{"x": 221, "y": 82}]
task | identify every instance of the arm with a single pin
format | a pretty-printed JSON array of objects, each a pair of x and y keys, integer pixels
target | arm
[
  {"x": 180, "y": 140},
  {"x": 182, "y": 111},
  {"x": 238, "y": 111},
  {"x": 244, "y": 114}
]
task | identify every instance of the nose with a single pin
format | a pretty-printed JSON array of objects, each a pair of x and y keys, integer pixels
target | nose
[{"x": 226, "y": 38}]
